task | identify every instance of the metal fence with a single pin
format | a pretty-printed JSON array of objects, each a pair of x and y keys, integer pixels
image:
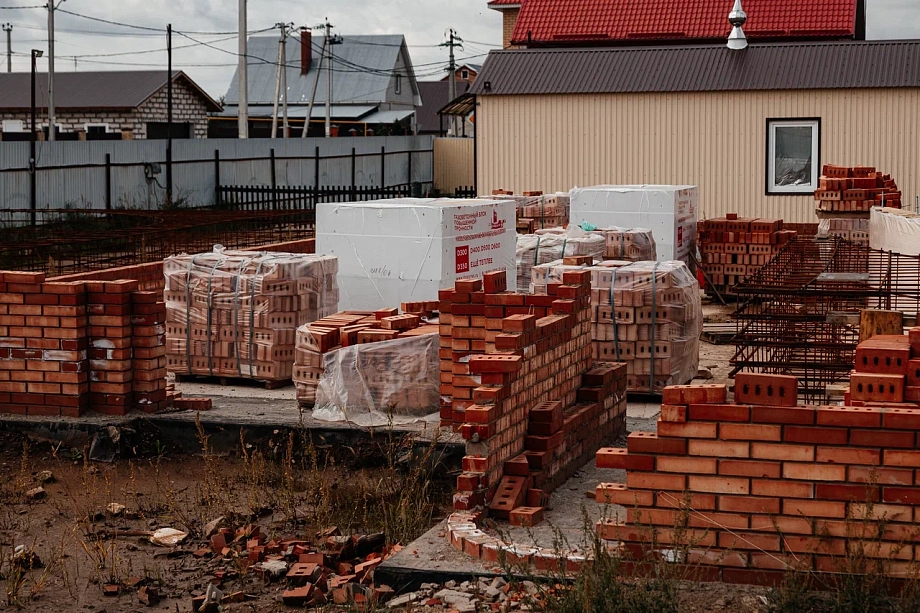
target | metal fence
[{"x": 131, "y": 174}]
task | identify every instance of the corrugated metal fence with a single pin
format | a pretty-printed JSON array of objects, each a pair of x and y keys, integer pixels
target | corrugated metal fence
[
  {"x": 74, "y": 174},
  {"x": 453, "y": 164}
]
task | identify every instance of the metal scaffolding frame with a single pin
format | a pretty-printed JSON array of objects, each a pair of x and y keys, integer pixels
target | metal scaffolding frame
[{"x": 799, "y": 315}]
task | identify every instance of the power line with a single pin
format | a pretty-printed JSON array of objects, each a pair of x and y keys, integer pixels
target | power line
[{"x": 19, "y": 8}]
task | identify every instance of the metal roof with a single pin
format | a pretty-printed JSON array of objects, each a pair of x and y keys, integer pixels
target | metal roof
[
  {"x": 573, "y": 21},
  {"x": 116, "y": 89},
  {"x": 699, "y": 68},
  {"x": 362, "y": 69}
]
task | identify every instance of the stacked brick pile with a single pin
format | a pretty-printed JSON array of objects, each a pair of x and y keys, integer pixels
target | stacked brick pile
[
  {"x": 630, "y": 244},
  {"x": 316, "y": 340},
  {"x": 235, "y": 313},
  {"x": 529, "y": 404},
  {"x": 66, "y": 347},
  {"x": 763, "y": 484},
  {"x": 536, "y": 210},
  {"x": 854, "y": 230},
  {"x": 533, "y": 250},
  {"x": 734, "y": 248},
  {"x": 855, "y": 189},
  {"x": 646, "y": 314},
  {"x": 887, "y": 370}
]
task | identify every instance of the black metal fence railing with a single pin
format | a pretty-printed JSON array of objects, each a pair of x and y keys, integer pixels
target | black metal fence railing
[
  {"x": 465, "y": 192},
  {"x": 303, "y": 198}
]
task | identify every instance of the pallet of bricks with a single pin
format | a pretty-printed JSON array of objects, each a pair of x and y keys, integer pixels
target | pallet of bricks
[
  {"x": 234, "y": 314},
  {"x": 524, "y": 391},
  {"x": 394, "y": 373},
  {"x": 735, "y": 247},
  {"x": 646, "y": 314},
  {"x": 69, "y": 347},
  {"x": 855, "y": 189},
  {"x": 764, "y": 485},
  {"x": 847, "y": 228},
  {"x": 532, "y": 250},
  {"x": 536, "y": 210}
]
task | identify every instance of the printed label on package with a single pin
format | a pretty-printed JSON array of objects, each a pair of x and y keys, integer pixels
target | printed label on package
[
  {"x": 463, "y": 259},
  {"x": 482, "y": 240}
]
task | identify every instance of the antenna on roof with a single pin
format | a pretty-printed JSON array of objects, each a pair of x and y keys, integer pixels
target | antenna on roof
[{"x": 737, "y": 40}]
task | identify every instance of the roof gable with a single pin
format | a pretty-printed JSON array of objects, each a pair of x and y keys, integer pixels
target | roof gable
[
  {"x": 573, "y": 21},
  {"x": 363, "y": 67},
  {"x": 117, "y": 89},
  {"x": 701, "y": 68}
]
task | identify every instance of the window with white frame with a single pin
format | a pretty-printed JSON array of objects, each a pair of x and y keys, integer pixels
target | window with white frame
[
  {"x": 13, "y": 125},
  {"x": 96, "y": 128},
  {"x": 399, "y": 84},
  {"x": 792, "y": 155},
  {"x": 464, "y": 74}
]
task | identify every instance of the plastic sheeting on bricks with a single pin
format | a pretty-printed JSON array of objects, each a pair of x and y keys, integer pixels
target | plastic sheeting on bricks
[
  {"x": 534, "y": 249},
  {"x": 894, "y": 230},
  {"x": 535, "y": 210},
  {"x": 375, "y": 384},
  {"x": 406, "y": 249},
  {"x": 669, "y": 211},
  {"x": 234, "y": 313}
]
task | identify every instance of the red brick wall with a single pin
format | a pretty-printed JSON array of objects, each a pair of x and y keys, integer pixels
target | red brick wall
[{"x": 770, "y": 485}]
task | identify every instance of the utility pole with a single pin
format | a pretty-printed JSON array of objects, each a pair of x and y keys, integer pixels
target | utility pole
[
  {"x": 8, "y": 28},
  {"x": 278, "y": 81},
  {"x": 329, "y": 81},
  {"x": 284, "y": 90},
  {"x": 243, "y": 81},
  {"x": 453, "y": 41},
  {"x": 319, "y": 68},
  {"x": 52, "y": 116},
  {"x": 169, "y": 105}
]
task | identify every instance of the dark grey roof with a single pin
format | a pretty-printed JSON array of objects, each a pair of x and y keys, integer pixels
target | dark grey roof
[
  {"x": 363, "y": 67},
  {"x": 435, "y": 94},
  {"x": 699, "y": 68},
  {"x": 117, "y": 89}
]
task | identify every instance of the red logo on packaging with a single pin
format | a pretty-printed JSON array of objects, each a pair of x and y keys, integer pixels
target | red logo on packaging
[
  {"x": 463, "y": 259},
  {"x": 497, "y": 224},
  {"x": 680, "y": 236}
]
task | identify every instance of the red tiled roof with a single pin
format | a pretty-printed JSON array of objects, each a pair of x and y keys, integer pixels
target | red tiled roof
[
  {"x": 560, "y": 21},
  {"x": 493, "y": 3}
]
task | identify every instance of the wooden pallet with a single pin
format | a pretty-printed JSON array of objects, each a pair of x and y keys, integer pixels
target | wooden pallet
[{"x": 226, "y": 380}]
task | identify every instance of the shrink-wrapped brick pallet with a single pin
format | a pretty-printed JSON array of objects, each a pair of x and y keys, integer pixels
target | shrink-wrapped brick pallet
[
  {"x": 534, "y": 249},
  {"x": 647, "y": 314},
  {"x": 631, "y": 244},
  {"x": 235, "y": 313},
  {"x": 369, "y": 366},
  {"x": 536, "y": 210}
]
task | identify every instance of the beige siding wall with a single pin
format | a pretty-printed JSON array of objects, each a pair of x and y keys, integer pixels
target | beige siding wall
[
  {"x": 714, "y": 140},
  {"x": 453, "y": 164}
]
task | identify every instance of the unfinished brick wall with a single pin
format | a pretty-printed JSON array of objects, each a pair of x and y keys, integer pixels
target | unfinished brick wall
[
  {"x": 66, "y": 347},
  {"x": 765, "y": 484},
  {"x": 524, "y": 394}
]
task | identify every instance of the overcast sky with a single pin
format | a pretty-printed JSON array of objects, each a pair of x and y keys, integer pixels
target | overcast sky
[{"x": 82, "y": 44}]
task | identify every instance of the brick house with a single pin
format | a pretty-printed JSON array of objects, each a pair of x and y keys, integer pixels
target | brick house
[
  {"x": 106, "y": 106},
  {"x": 465, "y": 72}
]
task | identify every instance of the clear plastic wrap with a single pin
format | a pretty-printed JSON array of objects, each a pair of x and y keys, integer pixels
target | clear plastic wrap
[
  {"x": 375, "y": 384},
  {"x": 631, "y": 244},
  {"x": 234, "y": 313},
  {"x": 856, "y": 230},
  {"x": 534, "y": 249},
  {"x": 538, "y": 211},
  {"x": 649, "y": 315}
]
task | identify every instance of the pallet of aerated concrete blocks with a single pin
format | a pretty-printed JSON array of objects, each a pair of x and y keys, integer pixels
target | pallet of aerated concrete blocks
[
  {"x": 737, "y": 247},
  {"x": 68, "y": 347},
  {"x": 235, "y": 313},
  {"x": 381, "y": 360}
]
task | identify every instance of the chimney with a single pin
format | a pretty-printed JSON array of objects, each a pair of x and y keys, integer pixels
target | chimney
[
  {"x": 737, "y": 40},
  {"x": 306, "y": 50}
]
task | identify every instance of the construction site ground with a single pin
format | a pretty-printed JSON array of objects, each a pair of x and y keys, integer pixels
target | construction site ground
[{"x": 185, "y": 469}]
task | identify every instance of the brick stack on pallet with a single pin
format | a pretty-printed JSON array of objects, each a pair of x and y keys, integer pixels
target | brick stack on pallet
[
  {"x": 67, "y": 347},
  {"x": 531, "y": 407},
  {"x": 771, "y": 485},
  {"x": 735, "y": 247},
  {"x": 235, "y": 313},
  {"x": 887, "y": 370},
  {"x": 536, "y": 210},
  {"x": 855, "y": 189},
  {"x": 320, "y": 344},
  {"x": 646, "y": 314},
  {"x": 854, "y": 230},
  {"x": 630, "y": 244},
  {"x": 532, "y": 250}
]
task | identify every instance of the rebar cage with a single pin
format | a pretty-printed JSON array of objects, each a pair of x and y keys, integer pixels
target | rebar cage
[{"x": 799, "y": 315}]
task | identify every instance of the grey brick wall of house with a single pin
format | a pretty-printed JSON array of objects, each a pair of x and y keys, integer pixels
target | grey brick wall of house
[{"x": 188, "y": 107}]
